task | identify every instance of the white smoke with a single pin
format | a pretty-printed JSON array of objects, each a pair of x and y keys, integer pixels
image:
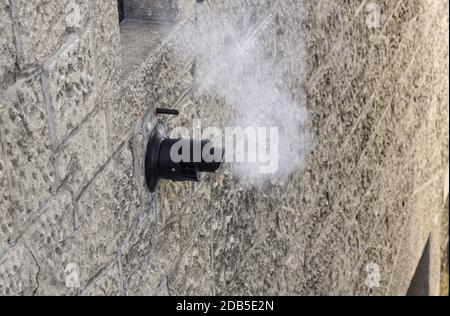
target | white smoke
[{"x": 233, "y": 65}]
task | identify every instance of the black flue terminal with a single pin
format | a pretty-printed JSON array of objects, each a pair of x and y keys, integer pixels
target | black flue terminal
[{"x": 167, "y": 158}]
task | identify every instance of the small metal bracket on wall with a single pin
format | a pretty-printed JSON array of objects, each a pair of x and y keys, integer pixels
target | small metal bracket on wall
[{"x": 159, "y": 163}]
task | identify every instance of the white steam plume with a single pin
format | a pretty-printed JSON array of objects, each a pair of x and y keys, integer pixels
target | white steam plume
[{"x": 233, "y": 65}]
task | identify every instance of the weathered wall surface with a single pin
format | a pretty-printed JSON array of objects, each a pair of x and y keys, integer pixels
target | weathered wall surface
[{"x": 73, "y": 132}]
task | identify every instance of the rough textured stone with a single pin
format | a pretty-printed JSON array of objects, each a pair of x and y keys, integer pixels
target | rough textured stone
[
  {"x": 51, "y": 239},
  {"x": 41, "y": 26},
  {"x": 106, "y": 214},
  {"x": 19, "y": 273},
  {"x": 6, "y": 221},
  {"x": 27, "y": 146},
  {"x": 153, "y": 255},
  {"x": 347, "y": 187},
  {"x": 367, "y": 199},
  {"x": 7, "y": 47},
  {"x": 70, "y": 80},
  {"x": 138, "y": 246},
  {"x": 108, "y": 285},
  {"x": 241, "y": 220},
  {"x": 192, "y": 273},
  {"x": 149, "y": 275},
  {"x": 84, "y": 153},
  {"x": 162, "y": 70},
  {"x": 138, "y": 38},
  {"x": 106, "y": 44}
]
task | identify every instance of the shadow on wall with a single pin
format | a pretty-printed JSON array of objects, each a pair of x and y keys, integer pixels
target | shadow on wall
[
  {"x": 420, "y": 284},
  {"x": 149, "y": 9},
  {"x": 121, "y": 10}
]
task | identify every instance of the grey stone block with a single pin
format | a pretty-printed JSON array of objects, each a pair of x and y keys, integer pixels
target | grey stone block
[
  {"x": 18, "y": 273},
  {"x": 6, "y": 220},
  {"x": 84, "y": 153},
  {"x": 42, "y": 26},
  {"x": 27, "y": 145},
  {"x": 194, "y": 213},
  {"x": 69, "y": 83},
  {"x": 139, "y": 245},
  {"x": 155, "y": 262},
  {"x": 170, "y": 210},
  {"x": 106, "y": 46},
  {"x": 193, "y": 271},
  {"x": 51, "y": 239},
  {"x": 240, "y": 219},
  {"x": 106, "y": 211},
  {"x": 108, "y": 284},
  {"x": 7, "y": 48},
  {"x": 154, "y": 254},
  {"x": 259, "y": 275}
]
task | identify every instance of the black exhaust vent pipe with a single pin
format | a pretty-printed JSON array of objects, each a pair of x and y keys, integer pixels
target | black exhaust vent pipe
[{"x": 159, "y": 162}]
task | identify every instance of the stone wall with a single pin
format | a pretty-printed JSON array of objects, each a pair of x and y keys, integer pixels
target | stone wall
[{"x": 75, "y": 117}]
